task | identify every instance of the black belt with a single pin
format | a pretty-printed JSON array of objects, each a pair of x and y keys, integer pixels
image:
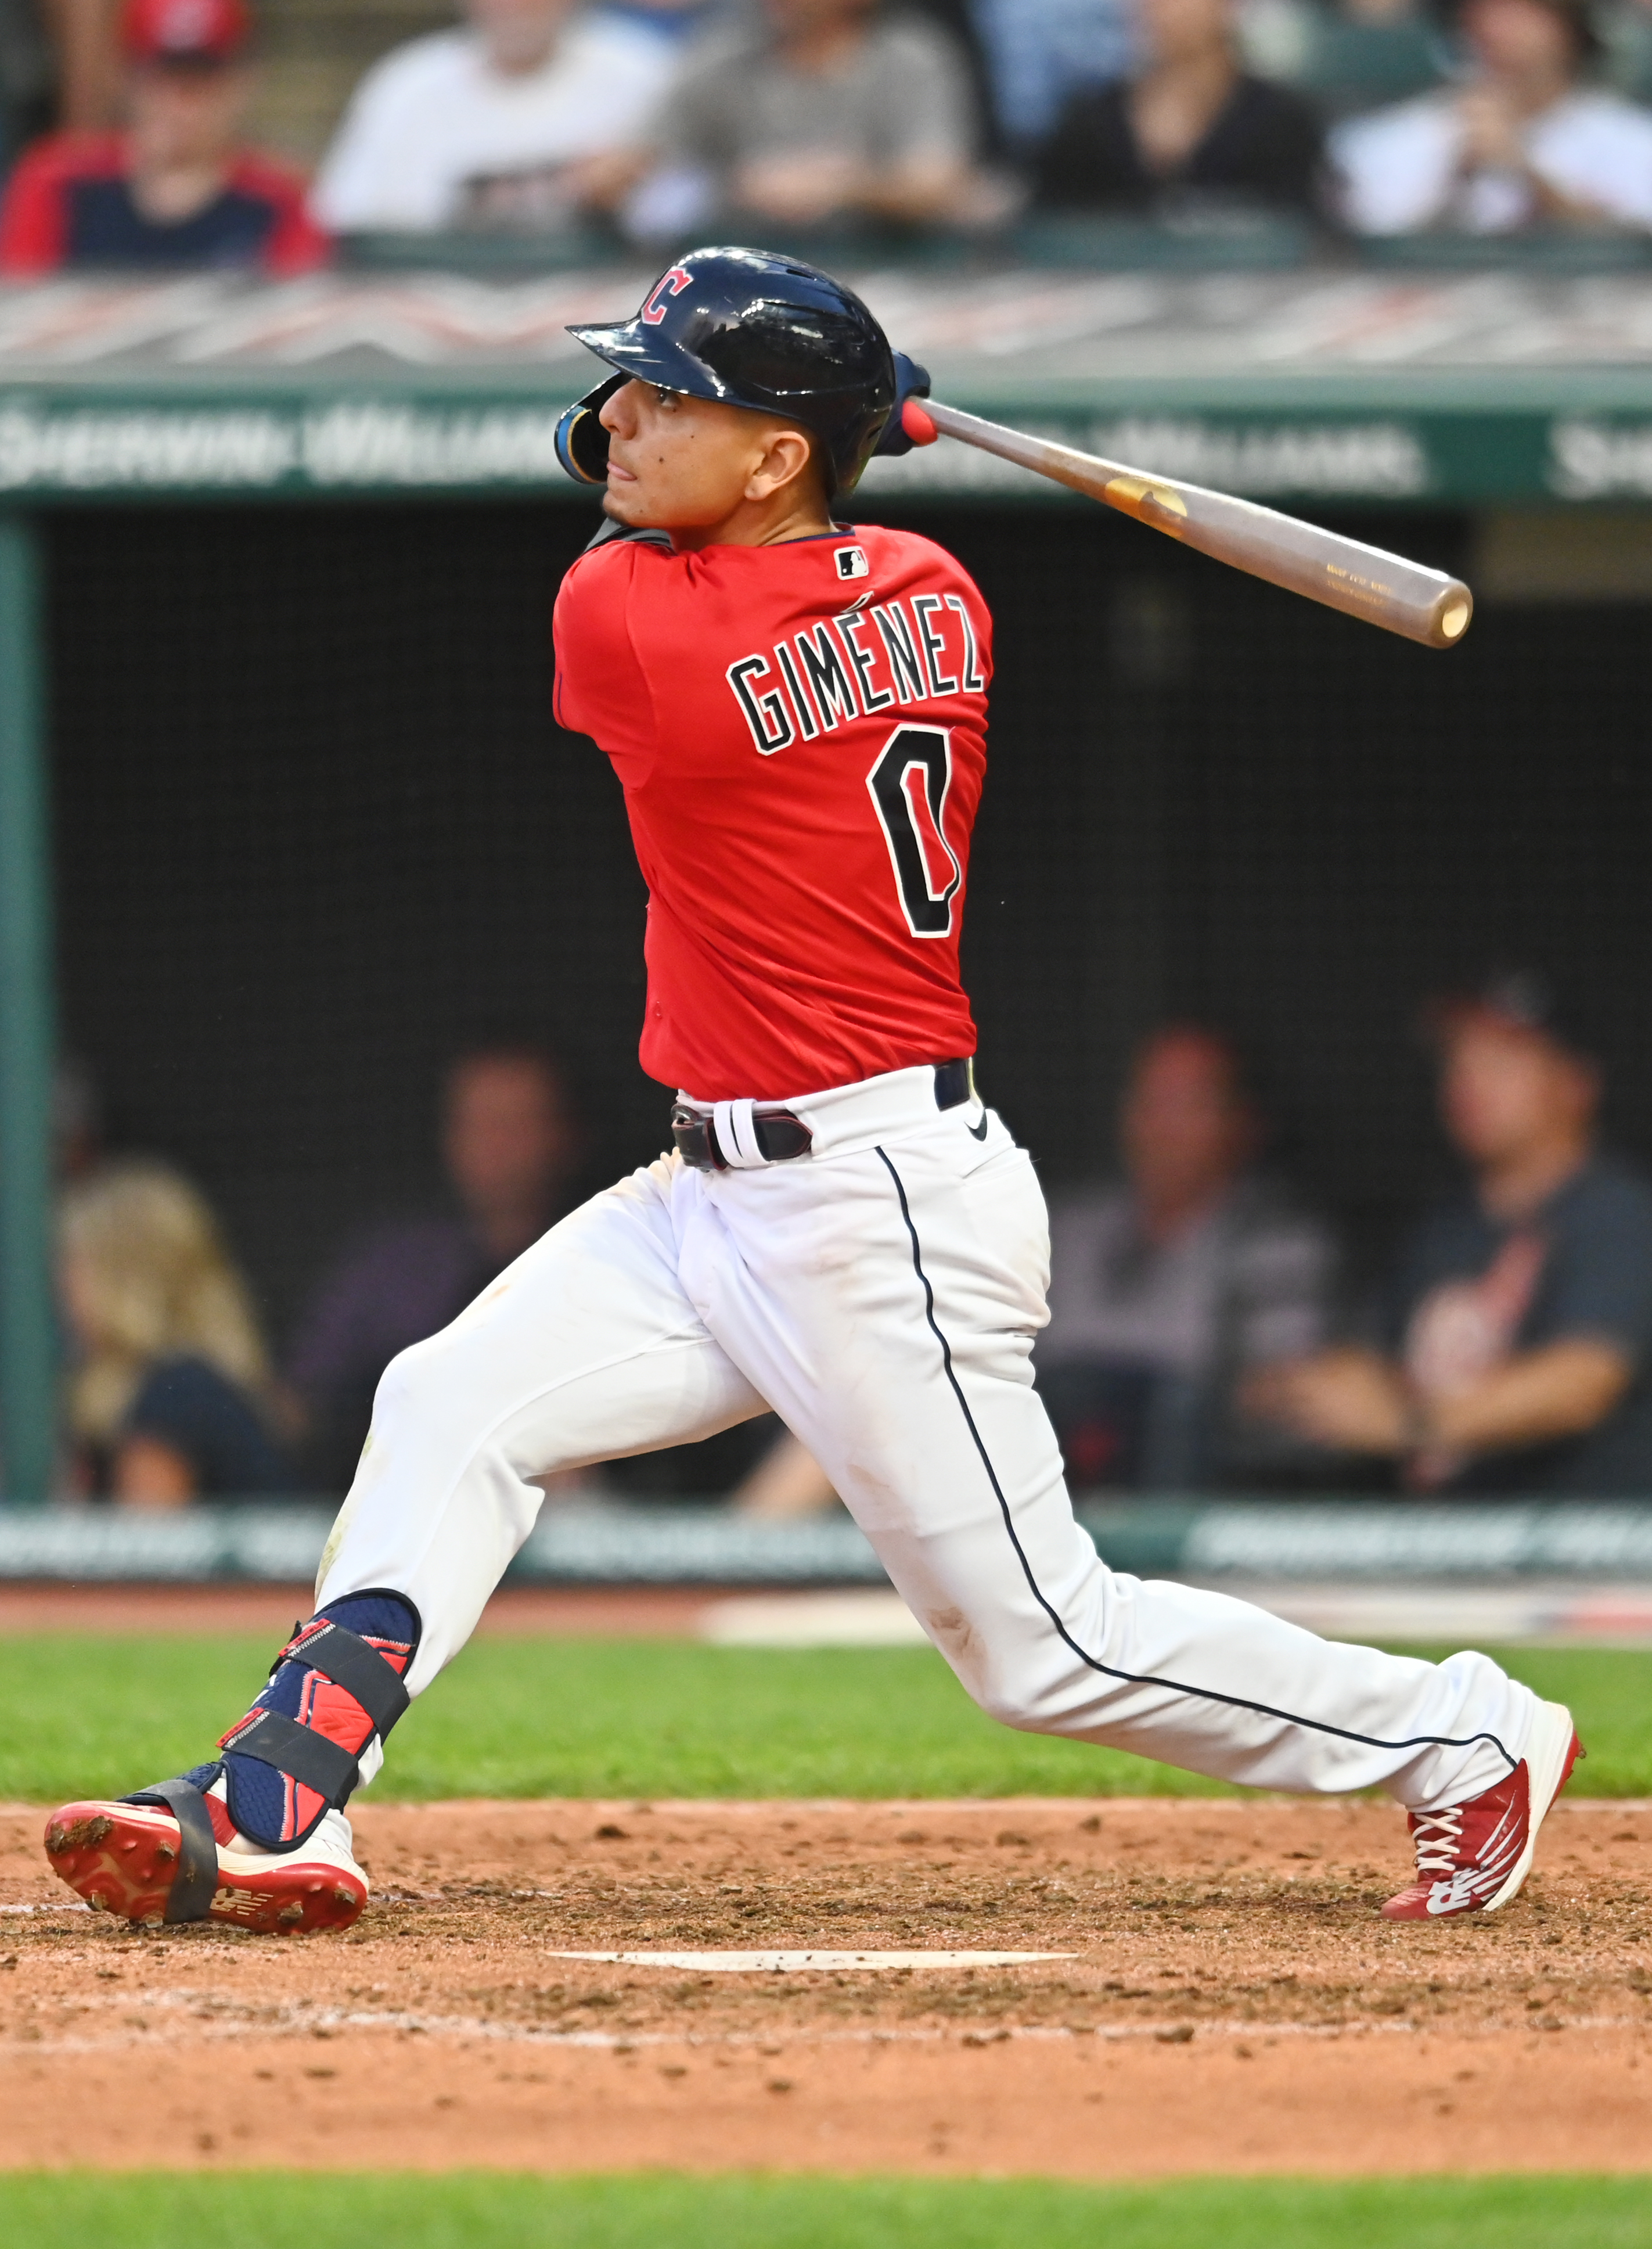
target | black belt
[{"x": 783, "y": 1137}]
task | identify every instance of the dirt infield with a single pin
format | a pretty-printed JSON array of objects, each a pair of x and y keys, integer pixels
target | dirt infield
[
  {"x": 582, "y": 1610},
  {"x": 1231, "y": 2003}
]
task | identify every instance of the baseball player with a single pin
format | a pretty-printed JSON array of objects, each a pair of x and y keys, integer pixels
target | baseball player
[{"x": 796, "y": 711}]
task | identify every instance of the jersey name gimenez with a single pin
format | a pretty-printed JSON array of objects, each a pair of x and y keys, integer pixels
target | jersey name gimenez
[{"x": 799, "y": 731}]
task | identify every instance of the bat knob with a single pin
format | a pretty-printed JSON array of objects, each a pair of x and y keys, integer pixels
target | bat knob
[{"x": 917, "y": 424}]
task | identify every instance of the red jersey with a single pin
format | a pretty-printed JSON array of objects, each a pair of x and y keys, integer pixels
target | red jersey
[{"x": 799, "y": 731}]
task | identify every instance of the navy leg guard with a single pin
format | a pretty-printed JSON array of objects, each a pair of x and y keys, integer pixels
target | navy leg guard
[{"x": 336, "y": 1685}]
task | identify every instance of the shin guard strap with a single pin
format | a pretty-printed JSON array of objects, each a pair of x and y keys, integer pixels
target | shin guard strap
[
  {"x": 355, "y": 1665},
  {"x": 298, "y": 1751},
  {"x": 196, "y": 1884}
]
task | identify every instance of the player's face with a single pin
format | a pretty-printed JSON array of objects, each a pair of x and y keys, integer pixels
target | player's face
[{"x": 686, "y": 464}]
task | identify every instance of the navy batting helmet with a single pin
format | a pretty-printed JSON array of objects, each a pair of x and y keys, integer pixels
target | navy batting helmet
[{"x": 755, "y": 329}]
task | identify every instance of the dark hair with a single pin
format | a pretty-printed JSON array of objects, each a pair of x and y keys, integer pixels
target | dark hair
[
  {"x": 1222, "y": 1044},
  {"x": 1576, "y": 15},
  {"x": 1524, "y": 998}
]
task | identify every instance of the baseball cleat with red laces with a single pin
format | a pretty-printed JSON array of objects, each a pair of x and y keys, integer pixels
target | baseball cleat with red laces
[
  {"x": 136, "y": 1859},
  {"x": 1474, "y": 1857}
]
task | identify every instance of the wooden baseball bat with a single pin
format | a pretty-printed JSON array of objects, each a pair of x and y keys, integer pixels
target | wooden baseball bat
[{"x": 1363, "y": 581}]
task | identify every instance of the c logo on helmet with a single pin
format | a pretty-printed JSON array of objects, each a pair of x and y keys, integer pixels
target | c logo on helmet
[{"x": 672, "y": 283}]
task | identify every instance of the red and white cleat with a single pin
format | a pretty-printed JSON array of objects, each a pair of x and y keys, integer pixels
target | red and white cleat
[
  {"x": 125, "y": 1859},
  {"x": 1474, "y": 1857}
]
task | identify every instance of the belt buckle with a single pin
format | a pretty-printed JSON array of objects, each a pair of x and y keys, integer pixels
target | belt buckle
[
  {"x": 781, "y": 1137},
  {"x": 696, "y": 1142}
]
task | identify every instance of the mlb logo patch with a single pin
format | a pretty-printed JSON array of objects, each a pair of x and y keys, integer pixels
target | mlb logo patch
[{"x": 852, "y": 562}]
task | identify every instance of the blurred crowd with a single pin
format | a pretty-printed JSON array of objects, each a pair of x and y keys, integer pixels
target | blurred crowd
[
  {"x": 1201, "y": 1335},
  {"x": 172, "y": 1393},
  {"x": 1204, "y": 1332},
  {"x": 644, "y": 123}
]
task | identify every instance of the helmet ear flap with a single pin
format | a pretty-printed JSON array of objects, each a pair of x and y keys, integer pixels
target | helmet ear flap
[{"x": 581, "y": 441}]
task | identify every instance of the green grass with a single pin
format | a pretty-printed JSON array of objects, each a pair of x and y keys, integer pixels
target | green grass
[
  {"x": 159, "y": 2210},
  {"x": 97, "y": 1715}
]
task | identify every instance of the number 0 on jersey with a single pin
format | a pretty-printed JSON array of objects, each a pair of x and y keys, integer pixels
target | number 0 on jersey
[{"x": 909, "y": 785}]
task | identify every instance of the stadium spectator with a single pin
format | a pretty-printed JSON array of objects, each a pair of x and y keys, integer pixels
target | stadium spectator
[
  {"x": 1189, "y": 125},
  {"x": 497, "y": 124},
  {"x": 1040, "y": 54},
  {"x": 1169, "y": 1287},
  {"x": 169, "y": 1395},
  {"x": 510, "y": 1145},
  {"x": 814, "y": 113},
  {"x": 176, "y": 187},
  {"x": 1522, "y": 142},
  {"x": 1516, "y": 1341}
]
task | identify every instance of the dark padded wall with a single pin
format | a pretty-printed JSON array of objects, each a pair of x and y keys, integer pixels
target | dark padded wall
[{"x": 315, "y": 828}]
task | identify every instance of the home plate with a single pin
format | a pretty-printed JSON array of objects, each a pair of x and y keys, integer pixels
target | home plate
[
  {"x": 862, "y": 1618},
  {"x": 792, "y": 1964}
]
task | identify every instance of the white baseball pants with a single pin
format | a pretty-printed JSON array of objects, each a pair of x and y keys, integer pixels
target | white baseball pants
[{"x": 882, "y": 1294}]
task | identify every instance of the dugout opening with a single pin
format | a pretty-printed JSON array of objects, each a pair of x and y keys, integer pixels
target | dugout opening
[{"x": 313, "y": 828}]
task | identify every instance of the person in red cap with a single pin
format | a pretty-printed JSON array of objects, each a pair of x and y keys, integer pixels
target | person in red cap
[{"x": 175, "y": 187}]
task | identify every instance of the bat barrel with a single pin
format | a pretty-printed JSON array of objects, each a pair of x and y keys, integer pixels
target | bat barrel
[
  {"x": 1403, "y": 597},
  {"x": 1385, "y": 589}
]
